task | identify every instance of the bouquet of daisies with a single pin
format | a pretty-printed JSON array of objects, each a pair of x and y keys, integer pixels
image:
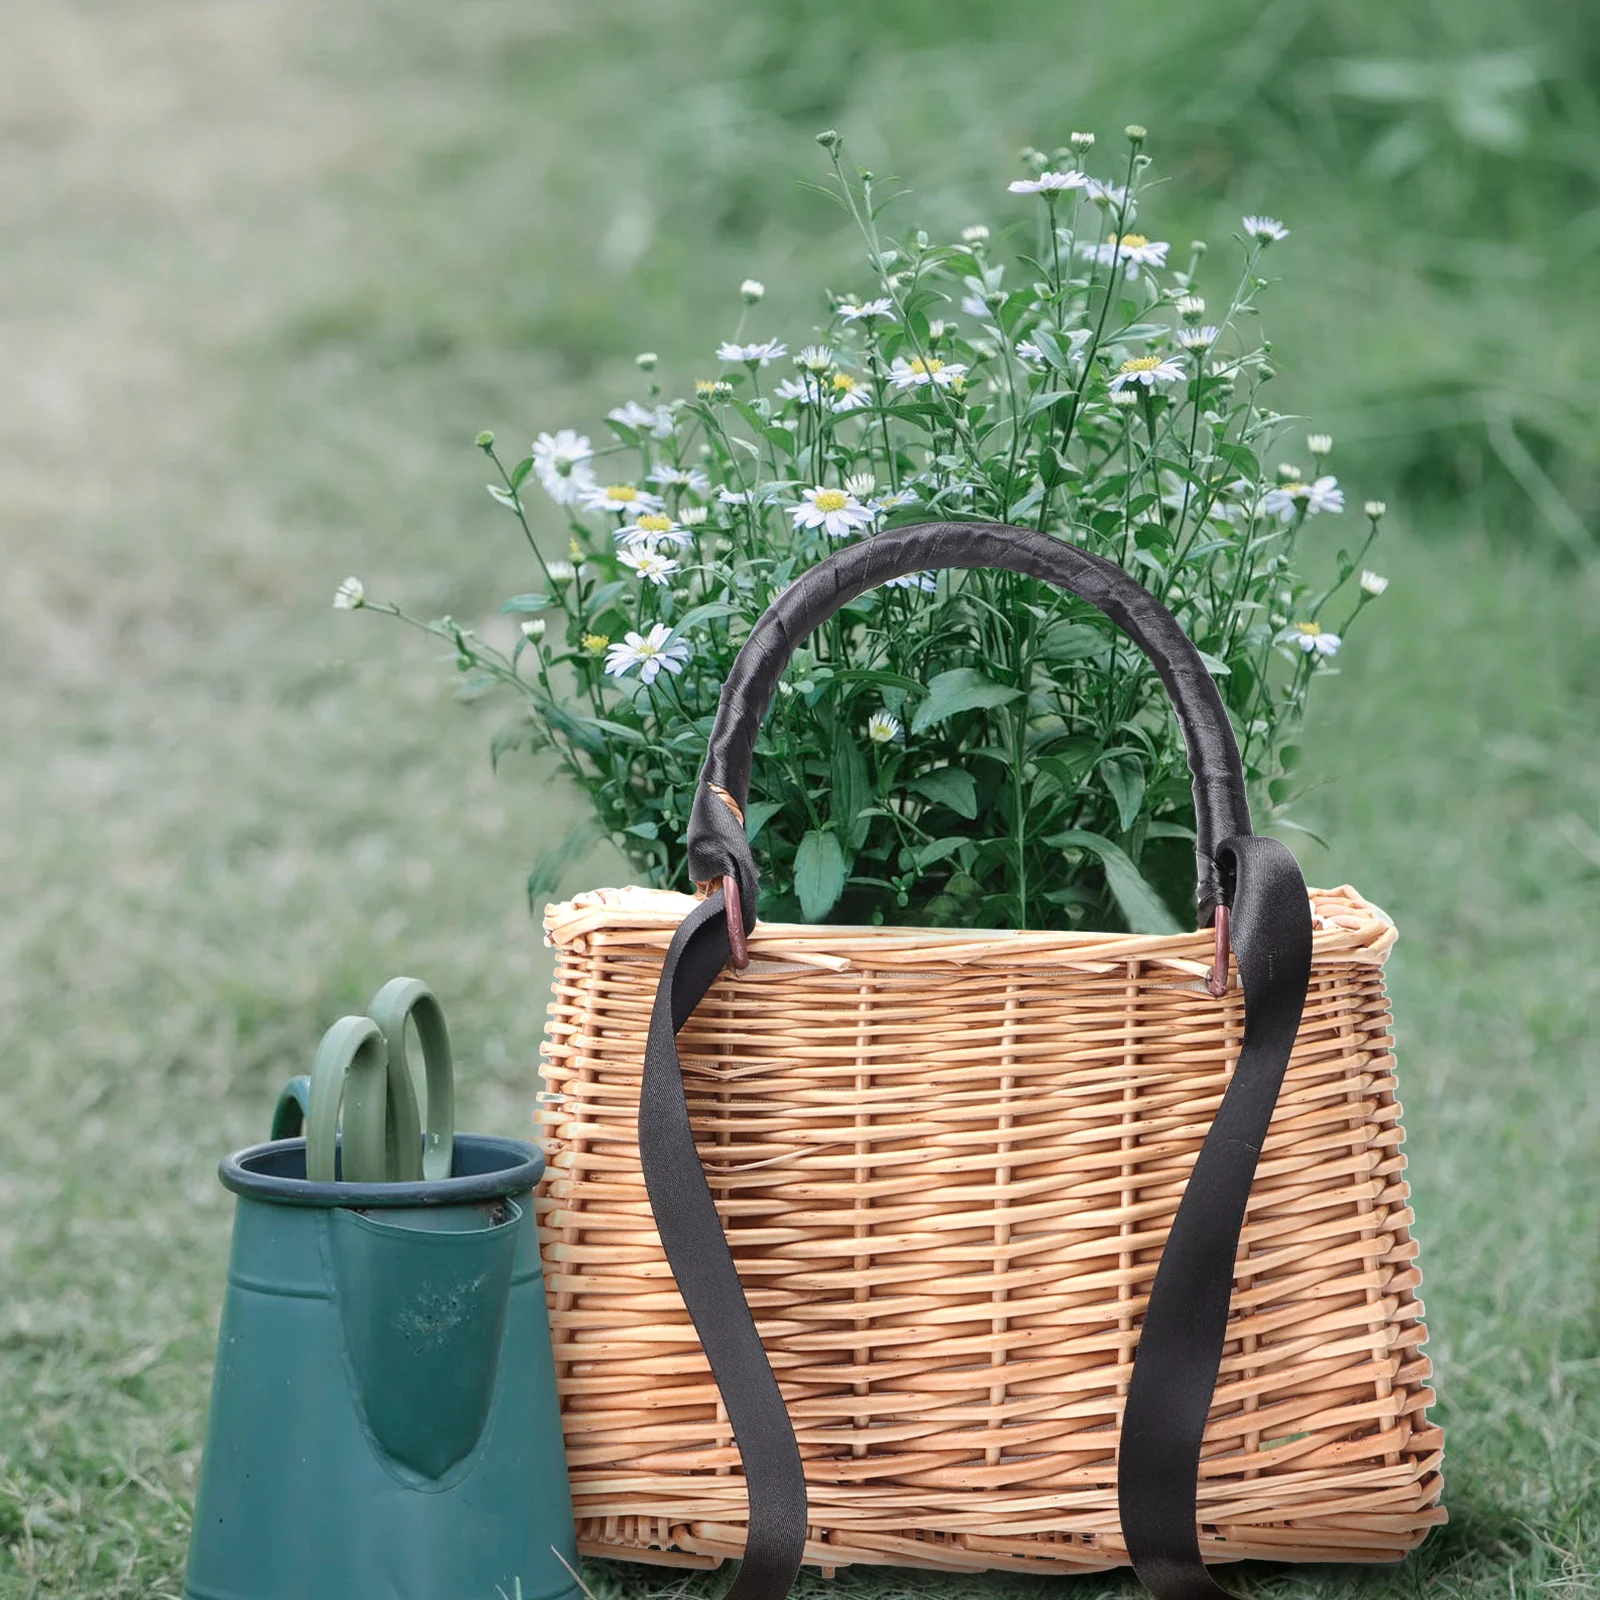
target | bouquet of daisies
[{"x": 971, "y": 748}]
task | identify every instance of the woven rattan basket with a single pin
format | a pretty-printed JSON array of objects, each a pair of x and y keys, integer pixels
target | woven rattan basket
[
  {"x": 946, "y": 1163},
  {"x": 971, "y": 1249}
]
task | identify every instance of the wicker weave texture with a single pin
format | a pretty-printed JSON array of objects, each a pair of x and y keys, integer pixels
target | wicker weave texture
[{"x": 947, "y": 1163}]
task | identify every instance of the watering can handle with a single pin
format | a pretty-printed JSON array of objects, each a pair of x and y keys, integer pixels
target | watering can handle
[{"x": 362, "y": 1064}]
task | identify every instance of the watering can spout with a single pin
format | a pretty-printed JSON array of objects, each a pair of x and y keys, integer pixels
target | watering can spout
[{"x": 422, "y": 1295}]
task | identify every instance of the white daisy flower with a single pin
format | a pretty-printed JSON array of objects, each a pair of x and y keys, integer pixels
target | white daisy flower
[
  {"x": 691, "y": 478},
  {"x": 1319, "y": 444},
  {"x": 923, "y": 582},
  {"x": 1148, "y": 370},
  {"x": 734, "y": 497},
  {"x": 1373, "y": 583},
  {"x": 1029, "y": 351},
  {"x": 760, "y": 355},
  {"x": 1285, "y": 501},
  {"x": 648, "y": 652},
  {"x": 1133, "y": 250},
  {"x": 1314, "y": 641},
  {"x": 653, "y": 529},
  {"x": 1081, "y": 141},
  {"x": 561, "y": 460},
  {"x": 848, "y": 393},
  {"x": 888, "y": 502},
  {"x": 1198, "y": 338},
  {"x": 814, "y": 358},
  {"x": 1191, "y": 307},
  {"x": 1265, "y": 230},
  {"x": 867, "y": 310},
  {"x": 693, "y": 516},
  {"x": 751, "y": 290},
  {"x": 983, "y": 305},
  {"x": 649, "y": 563},
  {"x": 920, "y": 370},
  {"x": 976, "y": 233},
  {"x": 621, "y": 498},
  {"x": 533, "y": 628},
  {"x": 654, "y": 420},
  {"x": 836, "y": 511},
  {"x": 860, "y": 484},
  {"x": 882, "y": 728},
  {"x": 1374, "y": 509},
  {"x": 349, "y": 596},
  {"x": 802, "y": 389},
  {"x": 1049, "y": 183},
  {"x": 561, "y": 572},
  {"x": 1124, "y": 397}
]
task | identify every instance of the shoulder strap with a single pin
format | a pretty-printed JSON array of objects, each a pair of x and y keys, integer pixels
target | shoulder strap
[{"x": 1180, "y": 1346}]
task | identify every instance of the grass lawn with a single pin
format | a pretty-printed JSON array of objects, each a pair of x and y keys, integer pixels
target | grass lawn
[{"x": 270, "y": 268}]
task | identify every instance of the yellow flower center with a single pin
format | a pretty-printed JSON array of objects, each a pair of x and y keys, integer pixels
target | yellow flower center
[
  {"x": 621, "y": 491},
  {"x": 1130, "y": 241},
  {"x": 1141, "y": 364},
  {"x": 596, "y": 643},
  {"x": 843, "y": 382},
  {"x": 654, "y": 522},
  {"x": 928, "y": 365},
  {"x": 705, "y": 385},
  {"x": 831, "y": 500},
  {"x": 1310, "y": 629},
  {"x": 1296, "y": 489},
  {"x": 646, "y": 649}
]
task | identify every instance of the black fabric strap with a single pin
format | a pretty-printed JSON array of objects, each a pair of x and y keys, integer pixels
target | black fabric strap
[
  {"x": 1180, "y": 1347},
  {"x": 697, "y": 1251}
]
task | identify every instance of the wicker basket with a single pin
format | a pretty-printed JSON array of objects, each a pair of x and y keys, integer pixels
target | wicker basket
[
  {"x": 946, "y": 1163},
  {"x": 980, "y": 1192}
]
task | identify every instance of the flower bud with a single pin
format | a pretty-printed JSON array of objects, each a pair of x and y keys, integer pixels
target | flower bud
[
  {"x": 349, "y": 596},
  {"x": 751, "y": 290},
  {"x": 1373, "y": 583},
  {"x": 830, "y": 140},
  {"x": 1191, "y": 307},
  {"x": 485, "y": 440},
  {"x": 645, "y": 361},
  {"x": 1319, "y": 444},
  {"x": 533, "y": 628},
  {"x": 1082, "y": 141},
  {"x": 1375, "y": 509},
  {"x": 976, "y": 234},
  {"x": 1136, "y": 133}
]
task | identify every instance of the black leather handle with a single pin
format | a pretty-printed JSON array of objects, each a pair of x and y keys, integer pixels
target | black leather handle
[{"x": 717, "y": 846}]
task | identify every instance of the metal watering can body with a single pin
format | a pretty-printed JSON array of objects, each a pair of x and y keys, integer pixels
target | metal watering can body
[{"x": 384, "y": 1422}]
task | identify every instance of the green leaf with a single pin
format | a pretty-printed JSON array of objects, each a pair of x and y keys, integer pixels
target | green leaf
[
  {"x": 852, "y": 790},
  {"x": 549, "y": 868},
  {"x": 1144, "y": 909},
  {"x": 758, "y": 815},
  {"x": 522, "y": 603},
  {"x": 1124, "y": 778},
  {"x": 1215, "y": 665},
  {"x": 959, "y": 689},
  {"x": 1071, "y": 641},
  {"x": 936, "y": 850},
  {"x": 709, "y": 612},
  {"x": 1136, "y": 900},
  {"x": 1289, "y": 757},
  {"x": 819, "y": 874},
  {"x": 520, "y": 472},
  {"x": 948, "y": 786},
  {"x": 1279, "y": 790}
]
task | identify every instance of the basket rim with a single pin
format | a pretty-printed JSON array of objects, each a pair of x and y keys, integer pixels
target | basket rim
[{"x": 1346, "y": 927}]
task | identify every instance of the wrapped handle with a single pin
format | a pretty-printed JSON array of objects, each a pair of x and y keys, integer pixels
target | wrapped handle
[{"x": 717, "y": 846}]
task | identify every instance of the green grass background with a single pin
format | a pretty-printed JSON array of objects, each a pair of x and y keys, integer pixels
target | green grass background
[{"x": 268, "y": 269}]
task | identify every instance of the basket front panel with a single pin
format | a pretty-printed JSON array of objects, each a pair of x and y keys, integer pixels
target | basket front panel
[{"x": 947, "y": 1190}]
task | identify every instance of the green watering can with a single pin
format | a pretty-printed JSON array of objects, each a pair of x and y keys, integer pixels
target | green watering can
[{"x": 383, "y": 1422}]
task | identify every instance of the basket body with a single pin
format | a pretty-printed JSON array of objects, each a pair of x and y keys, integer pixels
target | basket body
[{"x": 946, "y": 1162}]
